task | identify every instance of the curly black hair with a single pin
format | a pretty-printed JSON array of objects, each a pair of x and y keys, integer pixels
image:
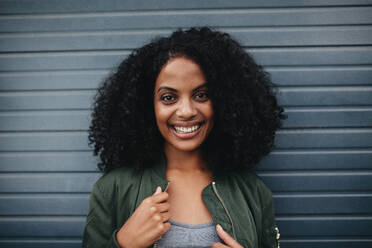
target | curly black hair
[{"x": 246, "y": 111}]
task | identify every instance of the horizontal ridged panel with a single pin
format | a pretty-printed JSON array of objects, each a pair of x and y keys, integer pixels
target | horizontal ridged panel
[
  {"x": 56, "y": 141},
  {"x": 312, "y": 56},
  {"x": 44, "y": 204},
  {"x": 46, "y": 100},
  {"x": 47, "y": 182},
  {"x": 48, "y": 161},
  {"x": 41, "y": 243},
  {"x": 329, "y": 96},
  {"x": 328, "y": 117},
  {"x": 257, "y": 37},
  {"x": 80, "y": 120},
  {"x": 61, "y": 61},
  {"x": 66, "y": 226},
  {"x": 318, "y": 181},
  {"x": 77, "y": 204},
  {"x": 322, "y": 204},
  {"x": 288, "y": 182},
  {"x": 312, "y": 159},
  {"x": 287, "y": 96},
  {"x": 325, "y": 226},
  {"x": 306, "y": 138},
  {"x": 73, "y": 226},
  {"x": 45, "y": 121},
  {"x": 326, "y": 243},
  {"x": 109, "y": 59},
  {"x": 323, "y": 138},
  {"x": 321, "y": 76},
  {"x": 71, "y": 6},
  {"x": 160, "y": 19},
  {"x": 53, "y": 80}
]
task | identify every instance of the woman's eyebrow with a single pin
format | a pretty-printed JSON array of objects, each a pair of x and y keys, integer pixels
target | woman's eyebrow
[
  {"x": 200, "y": 86},
  {"x": 167, "y": 88},
  {"x": 174, "y": 90}
]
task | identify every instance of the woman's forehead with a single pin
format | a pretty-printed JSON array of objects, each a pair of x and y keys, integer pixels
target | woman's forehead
[{"x": 180, "y": 72}]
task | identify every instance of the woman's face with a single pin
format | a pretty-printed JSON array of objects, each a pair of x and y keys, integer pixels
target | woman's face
[{"x": 184, "y": 113}]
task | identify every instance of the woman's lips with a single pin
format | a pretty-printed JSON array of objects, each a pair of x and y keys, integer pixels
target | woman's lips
[{"x": 186, "y": 132}]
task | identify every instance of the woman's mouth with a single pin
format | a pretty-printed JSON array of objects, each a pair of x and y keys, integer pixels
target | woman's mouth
[
  {"x": 186, "y": 129},
  {"x": 186, "y": 132}
]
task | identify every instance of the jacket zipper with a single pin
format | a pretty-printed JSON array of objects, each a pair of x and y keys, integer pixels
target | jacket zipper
[
  {"x": 156, "y": 242},
  {"x": 224, "y": 206}
]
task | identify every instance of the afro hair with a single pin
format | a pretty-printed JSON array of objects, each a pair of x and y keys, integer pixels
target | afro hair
[{"x": 246, "y": 112}]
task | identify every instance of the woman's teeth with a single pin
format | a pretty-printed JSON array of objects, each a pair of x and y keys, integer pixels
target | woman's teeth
[{"x": 186, "y": 129}]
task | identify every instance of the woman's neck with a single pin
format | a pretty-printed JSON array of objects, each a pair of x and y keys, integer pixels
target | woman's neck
[{"x": 184, "y": 161}]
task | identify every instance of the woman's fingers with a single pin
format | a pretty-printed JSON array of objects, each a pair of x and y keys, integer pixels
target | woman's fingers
[
  {"x": 166, "y": 227},
  {"x": 160, "y": 217},
  {"x": 156, "y": 198},
  {"x": 162, "y": 207},
  {"x": 157, "y": 191},
  {"x": 227, "y": 238},
  {"x": 148, "y": 222},
  {"x": 159, "y": 208},
  {"x": 162, "y": 229},
  {"x": 165, "y": 216}
]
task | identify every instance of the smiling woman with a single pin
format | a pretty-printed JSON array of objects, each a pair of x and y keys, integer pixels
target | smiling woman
[{"x": 178, "y": 128}]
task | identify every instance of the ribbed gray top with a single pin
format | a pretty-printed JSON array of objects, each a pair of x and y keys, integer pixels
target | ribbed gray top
[{"x": 185, "y": 235}]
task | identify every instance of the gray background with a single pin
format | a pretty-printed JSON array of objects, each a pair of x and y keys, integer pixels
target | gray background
[{"x": 53, "y": 55}]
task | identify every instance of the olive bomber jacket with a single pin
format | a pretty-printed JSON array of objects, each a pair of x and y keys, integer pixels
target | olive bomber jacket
[{"x": 240, "y": 202}]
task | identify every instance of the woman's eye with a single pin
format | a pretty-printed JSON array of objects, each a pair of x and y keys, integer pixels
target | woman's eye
[
  {"x": 167, "y": 98},
  {"x": 202, "y": 96}
]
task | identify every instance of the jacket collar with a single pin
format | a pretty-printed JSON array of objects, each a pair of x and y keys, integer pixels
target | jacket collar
[
  {"x": 158, "y": 175},
  {"x": 160, "y": 167}
]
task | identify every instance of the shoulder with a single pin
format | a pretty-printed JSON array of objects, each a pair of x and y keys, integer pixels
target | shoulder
[
  {"x": 121, "y": 178},
  {"x": 254, "y": 184}
]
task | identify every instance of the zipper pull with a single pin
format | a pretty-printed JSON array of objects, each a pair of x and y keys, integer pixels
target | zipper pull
[
  {"x": 166, "y": 188},
  {"x": 277, "y": 237}
]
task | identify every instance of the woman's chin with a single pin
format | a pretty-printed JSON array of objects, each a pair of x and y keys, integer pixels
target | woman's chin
[{"x": 186, "y": 146}]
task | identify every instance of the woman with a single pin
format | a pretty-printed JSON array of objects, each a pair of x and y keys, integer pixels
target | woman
[{"x": 178, "y": 127}]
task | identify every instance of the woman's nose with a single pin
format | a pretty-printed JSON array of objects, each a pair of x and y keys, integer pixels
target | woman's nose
[{"x": 186, "y": 109}]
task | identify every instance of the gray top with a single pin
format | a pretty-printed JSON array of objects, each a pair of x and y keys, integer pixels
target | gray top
[{"x": 186, "y": 235}]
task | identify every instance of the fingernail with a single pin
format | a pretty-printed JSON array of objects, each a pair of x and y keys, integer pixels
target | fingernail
[{"x": 219, "y": 227}]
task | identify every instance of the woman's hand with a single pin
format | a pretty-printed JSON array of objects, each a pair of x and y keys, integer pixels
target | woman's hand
[
  {"x": 229, "y": 241},
  {"x": 148, "y": 222}
]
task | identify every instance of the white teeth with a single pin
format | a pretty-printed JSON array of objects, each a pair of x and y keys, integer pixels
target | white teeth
[{"x": 186, "y": 129}]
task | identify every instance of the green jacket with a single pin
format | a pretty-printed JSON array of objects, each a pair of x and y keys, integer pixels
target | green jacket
[{"x": 239, "y": 202}]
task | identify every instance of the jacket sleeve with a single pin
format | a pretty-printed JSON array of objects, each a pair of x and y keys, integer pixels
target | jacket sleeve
[
  {"x": 270, "y": 232},
  {"x": 99, "y": 228}
]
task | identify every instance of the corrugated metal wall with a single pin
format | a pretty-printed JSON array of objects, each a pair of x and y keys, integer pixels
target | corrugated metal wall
[{"x": 53, "y": 54}]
